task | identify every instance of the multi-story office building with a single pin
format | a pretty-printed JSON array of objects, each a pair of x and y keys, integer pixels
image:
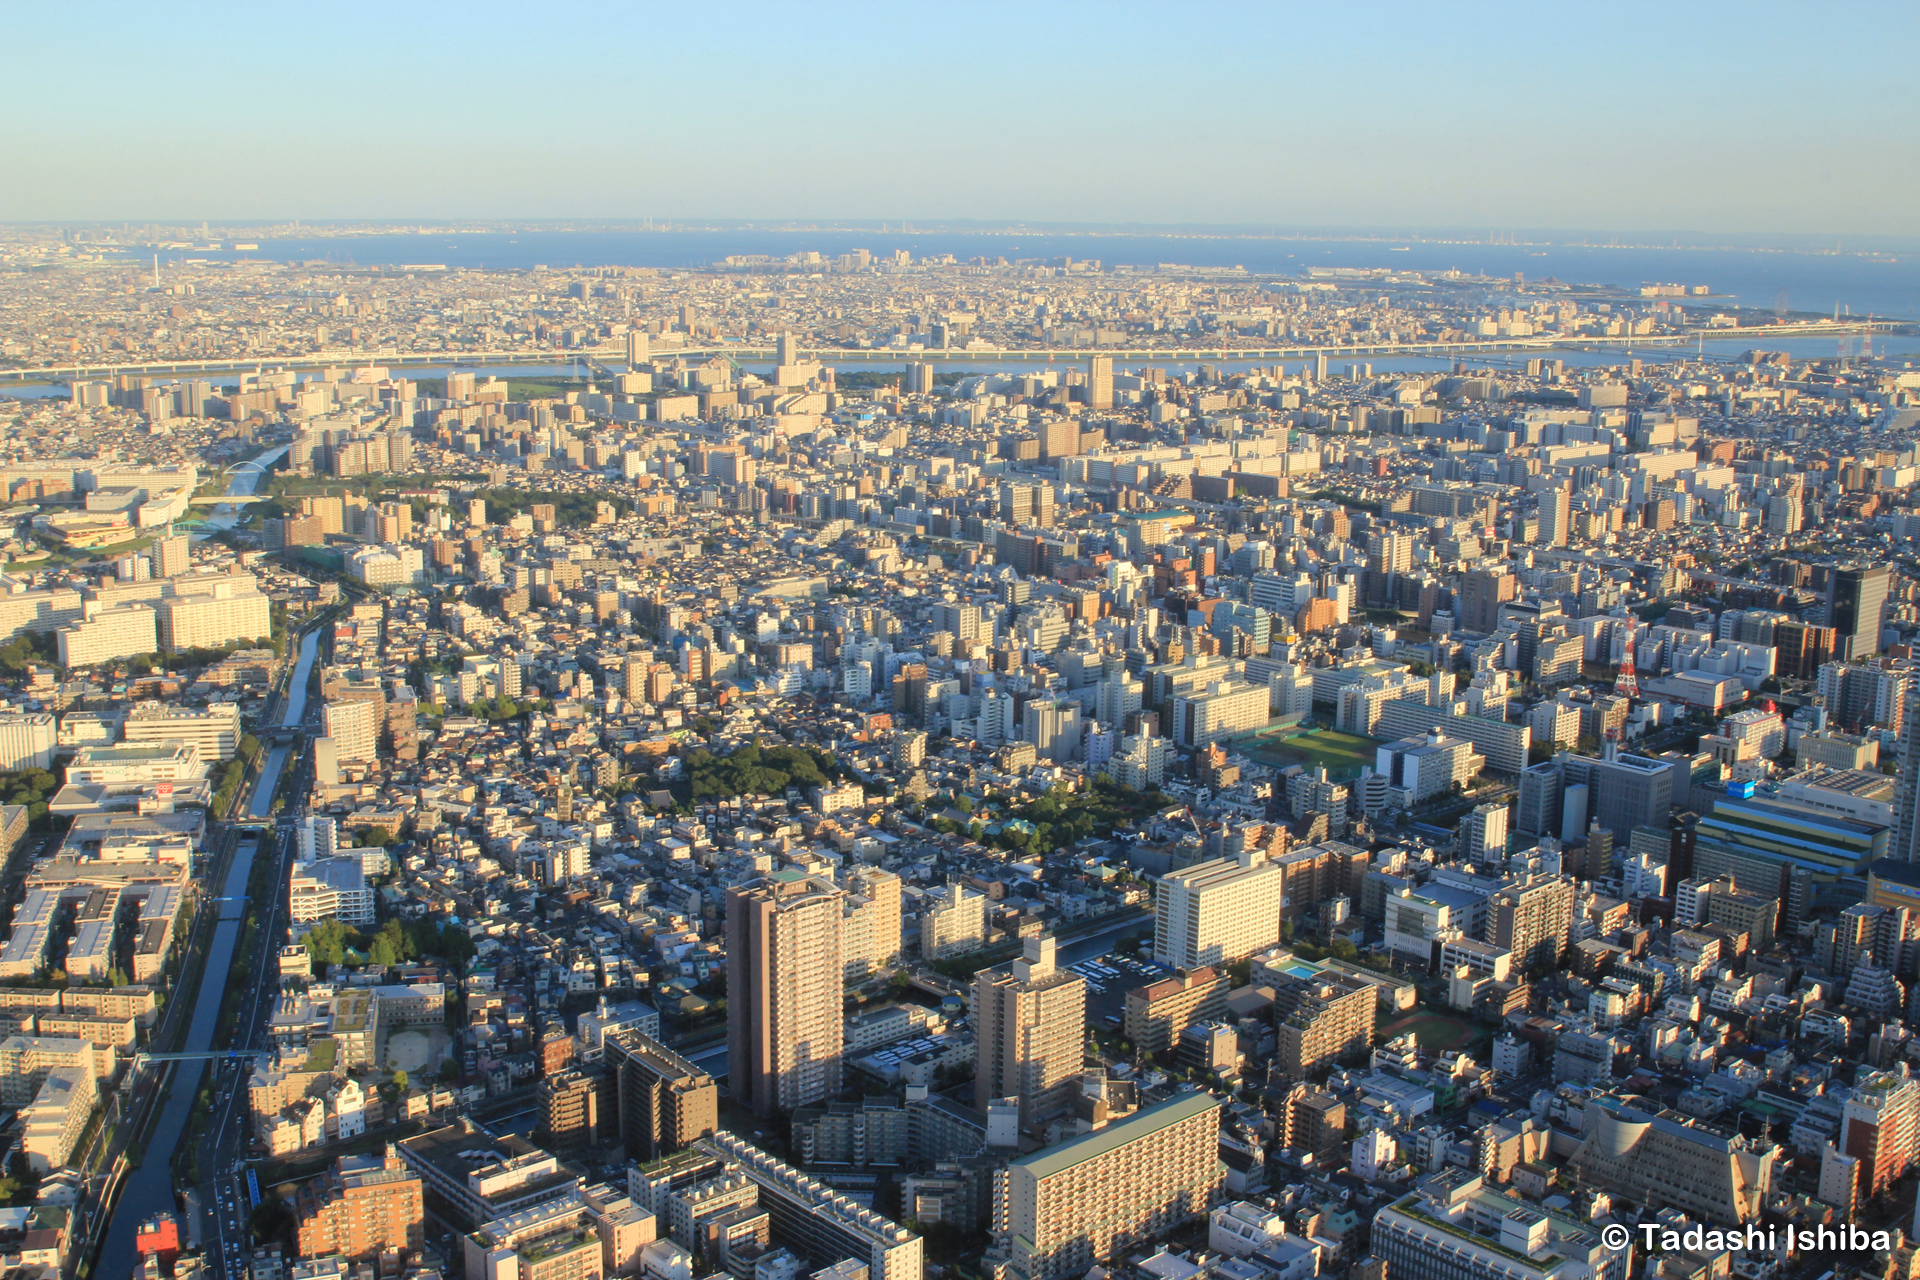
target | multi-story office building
[
  {"x": 214, "y": 728},
  {"x": 785, "y": 970},
  {"x": 1099, "y": 383},
  {"x": 1426, "y": 767},
  {"x": 665, "y": 1102},
  {"x": 1504, "y": 745},
  {"x": 361, "y": 1208},
  {"x": 954, "y": 922},
  {"x": 1857, "y": 607},
  {"x": 1538, "y": 810},
  {"x": 1625, "y": 792},
  {"x": 1321, "y": 1020},
  {"x": 1533, "y": 920},
  {"x": 1556, "y": 518},
  {"x": 1027, "y": 504},
  {"x": 1029, "y": 1026},
  {"x": 1216, "y": 912},
  {"x": 1482, "y": 592},
  {"x": 1657, "y": 1160},
  {"x": 1158, "y": 1012},
  {"x": 1062, "y": 1209},
  {"x": 1455, "y": 1227}
]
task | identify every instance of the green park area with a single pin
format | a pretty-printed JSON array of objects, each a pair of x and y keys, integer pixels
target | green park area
[{"x": 1342, "y": 753}]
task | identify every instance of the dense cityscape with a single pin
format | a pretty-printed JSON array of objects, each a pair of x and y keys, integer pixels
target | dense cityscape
[{"x": 870, "y": 766}]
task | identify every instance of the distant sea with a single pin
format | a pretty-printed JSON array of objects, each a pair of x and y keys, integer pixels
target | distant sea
[{"x": 1887, "y": 285}]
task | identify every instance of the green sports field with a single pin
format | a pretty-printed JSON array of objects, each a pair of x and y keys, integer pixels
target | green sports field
[{"x": 1342, "y": 753}]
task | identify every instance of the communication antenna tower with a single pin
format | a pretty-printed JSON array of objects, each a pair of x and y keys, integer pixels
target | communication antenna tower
[{"x": 1626, "y": 682}]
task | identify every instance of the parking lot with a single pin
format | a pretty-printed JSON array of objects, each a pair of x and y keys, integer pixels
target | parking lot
[{"x": 1109, "y": 977}]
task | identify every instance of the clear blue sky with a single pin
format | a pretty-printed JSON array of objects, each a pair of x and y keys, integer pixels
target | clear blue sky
[{"x": 1748, "y": 117}]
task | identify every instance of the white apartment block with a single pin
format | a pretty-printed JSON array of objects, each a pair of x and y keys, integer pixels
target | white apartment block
[
  {"x": 1216, "y": 912},
  {"x": 330, "y": 887},
  {"x": 26, "y": 741},
  {"x": 108, "y": 634},
  {"x": 1225, "y": 710},
  {"x": 955, "y": 922},
  {"x": 230, "y": 609},
  {"x": 354, "y": 728},
  {"x": 214, "y": 728}
]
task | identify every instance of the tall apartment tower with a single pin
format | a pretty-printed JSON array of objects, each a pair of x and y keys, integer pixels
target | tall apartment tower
[
  {"x": 786, "y": 349},
  {"x": 1217, "y": 912},
  {"x": 639, "y": 348},
  {"x": 872, "y": 948},
  {"x": 785, "y": 966},
  {"x": 1484, "y": 832},
  {"x": 1029, "y": 1026},
  {"x": 1856, "y": 606},
  {"x": 1556, "y": 518},
  {"x": 1534, "y": 921},
  {"x": 1906, "y": 805},
  {"x": 171, "y": 555},
  {"x": 1481, "y": 595},
  {"x": 354, "y": 728},
  {"x": 1023, "y": 504},
  {"x": 665, "y": 1102},
  {"x": 1100, "y": 382},
  {"x": 1390, "y": 553},
  {"x": 1878, "y": 1129},
  {"x": 1320, "y": 1020}
]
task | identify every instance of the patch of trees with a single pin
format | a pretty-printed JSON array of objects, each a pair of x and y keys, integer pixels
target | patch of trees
[{"x": 756, "y": 770}]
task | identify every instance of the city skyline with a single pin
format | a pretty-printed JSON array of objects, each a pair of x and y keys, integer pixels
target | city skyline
[{"x": 1474, "y": 116}]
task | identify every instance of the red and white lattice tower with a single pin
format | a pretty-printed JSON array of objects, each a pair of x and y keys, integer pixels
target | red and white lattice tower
[{"x": 1627, "y": 682}]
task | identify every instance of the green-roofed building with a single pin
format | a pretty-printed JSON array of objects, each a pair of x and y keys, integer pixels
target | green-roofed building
[{"x": 1064, "y": 1208}]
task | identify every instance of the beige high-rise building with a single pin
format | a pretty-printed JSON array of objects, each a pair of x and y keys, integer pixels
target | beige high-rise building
[
  {"x": 1062, "y": 1209},
  {"x": 1217, "y": 912},
  {"x": 1321, "y": 1020},
  {"x": 171, "y": 555},
  {"x": 1534, "y": 921},
  {"x": 1555, "y": 518},
  {"x": 1029, "y": 1025},
  {"x": 363, "y": 1207},
  {"x": 224, "y": 611},
  {"x": 786, "y": 963},
  {"x": 354, "y": 728},
  {"x": 872, "y": 924},
  {"x": 1100, "y": 382},
  {"x": 954, "y": 923},
  {"x": 107, "y": 634}
]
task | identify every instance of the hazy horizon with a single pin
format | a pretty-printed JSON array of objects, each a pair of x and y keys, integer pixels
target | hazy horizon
[{"x": 1619, "y": 119}]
